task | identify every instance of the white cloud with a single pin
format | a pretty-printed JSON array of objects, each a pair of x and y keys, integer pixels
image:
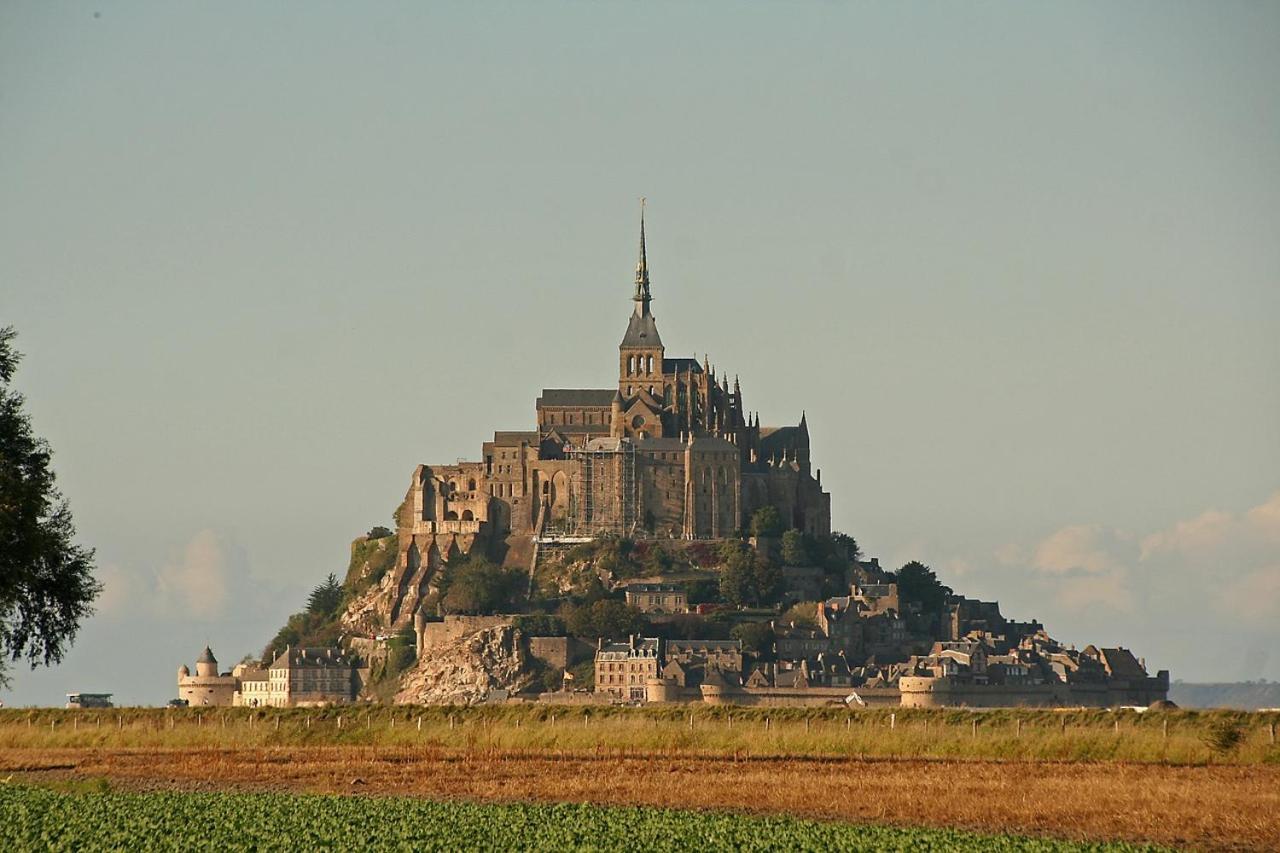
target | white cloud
[
  {"x": 195, "y": 584},
  {"x": 1255, "y": 597},
  {"x": 1089, "y": 548}
]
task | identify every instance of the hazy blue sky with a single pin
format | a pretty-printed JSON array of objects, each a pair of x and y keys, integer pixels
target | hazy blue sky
[{"x": 1019, "y": 262}]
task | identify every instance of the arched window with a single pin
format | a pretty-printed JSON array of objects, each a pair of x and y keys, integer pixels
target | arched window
[
  {"x": 631, "y": 364},
  {"x": 468, "y": 515},
  {"x": 450, "y": 516},
  {"x": 650, "y": 370},
  {"x": 471, "y": 485}
]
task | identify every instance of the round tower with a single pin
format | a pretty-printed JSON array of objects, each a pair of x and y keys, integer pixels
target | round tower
[{"x": 207, "y": 665}]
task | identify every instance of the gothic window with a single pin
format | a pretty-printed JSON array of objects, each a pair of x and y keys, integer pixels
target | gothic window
[
  {"x": 650, "y": 369},
  {"x": 631, "y": 364},
  {"x": 471, "y": 485},
  {"x": 468, "y": 515},
  {"x": 637, "y": 421},
  {"x": 450, "y": 516}
]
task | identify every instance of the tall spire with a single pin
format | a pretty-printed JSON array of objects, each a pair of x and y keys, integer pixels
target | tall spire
[{"x": 642, "y": 296}]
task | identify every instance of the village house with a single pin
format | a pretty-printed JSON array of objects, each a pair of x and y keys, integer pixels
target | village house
[{"x": 657, "y": 598}]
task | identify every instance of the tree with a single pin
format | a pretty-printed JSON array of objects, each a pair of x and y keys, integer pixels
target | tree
[
  {"x": 849, "y": 544},
  {"x": 794, "y": 552},
  {"x": 767, "y": 521},
  {"x": 326, "y": 598},
  {"x": 917, "y": 583},
  {"x": 737, "y": 573},
  {"x": 379, "y": 532},
  {"x": 608, "y": 618},
  {"x": 747, "y": 578},
  {"x": 476, "y": 586},
  {"x": 803, "y": 614},
  {"x": 46, "y": 581},
  {"x": 757, "y": 639}
]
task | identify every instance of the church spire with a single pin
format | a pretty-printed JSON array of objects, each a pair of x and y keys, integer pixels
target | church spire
[{"x": 642, "y": 296}]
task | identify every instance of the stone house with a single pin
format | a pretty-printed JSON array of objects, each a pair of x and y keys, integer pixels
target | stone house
[{"x": 657, "y": 598}]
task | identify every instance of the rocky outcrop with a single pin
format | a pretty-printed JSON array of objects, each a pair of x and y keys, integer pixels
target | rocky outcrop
[{"x": 475, "y": 667}]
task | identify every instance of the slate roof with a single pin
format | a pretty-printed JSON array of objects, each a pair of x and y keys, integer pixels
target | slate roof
[
  {"x": 207, "y": 656},
  {"x": 680, "y": 365},
  {"x": 326, "y": 657},
  {"x": 602, "y": 397},
  {"x": 642, "y": 331},
  {"x": 654, "y": 587},
  {"x": 508, "y": 438}
]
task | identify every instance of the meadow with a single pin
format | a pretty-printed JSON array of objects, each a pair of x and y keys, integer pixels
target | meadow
[
  {"x": 1168, "y": 737},
  {"x": 1209, "y": 780}
]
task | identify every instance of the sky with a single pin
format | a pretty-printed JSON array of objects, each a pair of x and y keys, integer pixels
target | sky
[{"x": 1018, "y": 263}]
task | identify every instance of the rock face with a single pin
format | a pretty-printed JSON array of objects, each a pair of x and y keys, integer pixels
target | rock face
[{"x": 475, "y": 667}]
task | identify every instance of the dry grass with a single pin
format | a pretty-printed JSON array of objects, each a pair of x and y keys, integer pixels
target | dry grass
[
  {"x": 1220, "y": 807},
  {"x": 1193, "y": 738}
]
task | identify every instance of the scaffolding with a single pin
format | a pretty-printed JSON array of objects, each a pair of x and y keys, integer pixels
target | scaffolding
[{"x": 605, "y": 497}]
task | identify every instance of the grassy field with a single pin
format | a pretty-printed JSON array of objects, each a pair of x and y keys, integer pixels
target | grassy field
[
  {"x": 1174, "y": 737},
  {"x": 40, "y": 819},
  {"x": 1209, "y": 780}
]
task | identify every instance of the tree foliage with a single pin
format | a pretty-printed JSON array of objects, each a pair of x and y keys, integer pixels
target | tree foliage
[
  {"x": 918, "y": 584},
  {"x": 767, "y": 521},
  {"x": 475, "y": 586},
  {"x": 747, "y": 578},
  {"x": 607, "y": 618},
  {"x": 46, "y": 581},
  {"x": 757, "y": 638},
  {"x": 848, "y": 543},
  {"x": 794, "y": 550},
  {"x": 326, "y": 598}
]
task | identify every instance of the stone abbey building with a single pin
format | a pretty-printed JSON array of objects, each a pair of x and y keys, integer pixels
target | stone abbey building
[{"x": 669, "y": 451}]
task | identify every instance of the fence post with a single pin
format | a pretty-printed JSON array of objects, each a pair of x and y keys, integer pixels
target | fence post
[
  {"x": 277, "y": 720},
  {"x": 767, "y": 722},
  {"x": 420, "y": 723},
  {"x": 893, "y": 720},
  {"x": 1273, "y": 732},
  {"x": 975, "y": 727},
  {"x": 1117, "y": 725},
  {"x": 75, "y": 724},
  {"x": 120, "y": 722},
  {"x": 339, "y": 721},
  {"x": 1019, "y": 727},
  {"x": 1165, "y": 728},
  {"x": 848, "y": 721},
  {"x": 690, "y": 721},
  {"x": 553, "y": 721}
]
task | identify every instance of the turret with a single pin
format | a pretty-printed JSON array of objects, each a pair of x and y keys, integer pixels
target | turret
[
  {"x": 207, "y": 664},
  {"x": 617, "y": 428}
]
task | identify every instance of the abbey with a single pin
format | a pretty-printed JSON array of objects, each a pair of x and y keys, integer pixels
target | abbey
[{"x": 670, "y": 451}]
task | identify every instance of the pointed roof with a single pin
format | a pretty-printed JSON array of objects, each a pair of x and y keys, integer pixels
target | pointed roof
[
  {"x": 642, "y": 331},
  {"x": 207, "y": 656}
]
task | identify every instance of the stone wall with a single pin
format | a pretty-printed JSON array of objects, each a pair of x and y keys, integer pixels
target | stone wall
[
  {"x": 558, "y": 652},
  {"x": 434, "y": 635}
]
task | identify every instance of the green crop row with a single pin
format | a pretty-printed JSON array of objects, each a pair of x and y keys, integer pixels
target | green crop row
[{"x": 40, "y": 819}]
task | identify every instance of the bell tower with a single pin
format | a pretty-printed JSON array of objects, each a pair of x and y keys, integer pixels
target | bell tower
[{"x": 640, "y": 354}]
